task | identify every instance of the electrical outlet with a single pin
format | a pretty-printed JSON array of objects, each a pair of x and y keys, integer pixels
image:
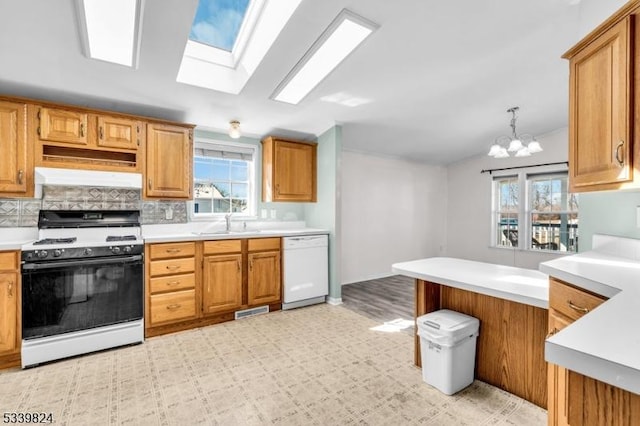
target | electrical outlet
[{"x": 273, "y": 214}]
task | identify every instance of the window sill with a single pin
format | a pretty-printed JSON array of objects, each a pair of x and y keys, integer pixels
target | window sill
[{"x": 554, "y": 252}]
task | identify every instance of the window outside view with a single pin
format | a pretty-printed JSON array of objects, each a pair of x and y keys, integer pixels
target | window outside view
[
  {"x": 221, "y": 185},
  {"x": 553, "y": 214},
  {"x": 550, "y": 219}
]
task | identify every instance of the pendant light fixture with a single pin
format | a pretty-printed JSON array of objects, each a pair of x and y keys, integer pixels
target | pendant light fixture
[
  {"x": 234, "y": 129},
  {"x": 519, "y": 145}
]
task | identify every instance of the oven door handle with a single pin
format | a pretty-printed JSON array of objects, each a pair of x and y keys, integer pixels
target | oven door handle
[{"x": 90, "y": 262}]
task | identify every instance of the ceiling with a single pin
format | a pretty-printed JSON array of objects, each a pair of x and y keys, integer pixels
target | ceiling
[{"x": 440, "y": 74}]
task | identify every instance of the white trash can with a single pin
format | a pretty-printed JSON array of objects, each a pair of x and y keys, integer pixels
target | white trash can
[{"x": 448, "y": 349}]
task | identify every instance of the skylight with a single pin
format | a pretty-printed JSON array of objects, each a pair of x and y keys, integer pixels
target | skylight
[
  {"x": 228, "y": 71},
  {"x": 217, "y": 22},
  {"x": 110, "y": 30},
  {"x": 343, "y": 35}
]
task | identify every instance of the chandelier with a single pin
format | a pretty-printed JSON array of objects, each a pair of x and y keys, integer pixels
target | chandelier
[{"x": 520, "y": 145}]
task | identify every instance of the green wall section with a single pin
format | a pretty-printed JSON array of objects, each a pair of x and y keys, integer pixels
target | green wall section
[
  {"x": 611, "y": 213},
  {"x": 284, "y": 211},
  {"x": 324, "y": 213}
]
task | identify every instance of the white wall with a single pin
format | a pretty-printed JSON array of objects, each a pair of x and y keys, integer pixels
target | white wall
[
  {"x": 469, "y": 205},
  {"x": 392, "y": 211}
]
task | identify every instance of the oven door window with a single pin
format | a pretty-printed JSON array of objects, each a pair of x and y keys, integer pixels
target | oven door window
[{"x": 62, "y": 299}]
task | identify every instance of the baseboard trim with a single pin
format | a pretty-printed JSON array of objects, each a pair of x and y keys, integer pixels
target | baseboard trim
[
  {"x": 334, "y": 301},
  {"x": 369, "y": 278}
]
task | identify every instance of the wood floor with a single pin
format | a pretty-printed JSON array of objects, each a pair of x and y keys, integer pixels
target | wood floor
[{"x": 382, "y": 299}]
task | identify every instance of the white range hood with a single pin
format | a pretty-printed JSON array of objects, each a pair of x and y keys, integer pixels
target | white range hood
[{"x": 73, "y": 177}]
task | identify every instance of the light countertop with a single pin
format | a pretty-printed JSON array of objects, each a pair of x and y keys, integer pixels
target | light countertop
[
  {"x": 605, "y": 343},
  {"x": 505, "y": 282},
  {"x": 193, "y": 232},
  {"x": 15, "y": 238}
]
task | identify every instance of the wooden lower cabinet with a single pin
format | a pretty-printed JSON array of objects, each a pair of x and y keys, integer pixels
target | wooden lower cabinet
[
  {"x": 575, "y": 399},
  {"x": 264, "y": 278},
  {"x": 10, "y": 300},
  {"x": 222, "y": 283},
  {"x": 170, "y": 284},
  {"x": 198, "y": 283},
  {"x": 558, "y": 406}
]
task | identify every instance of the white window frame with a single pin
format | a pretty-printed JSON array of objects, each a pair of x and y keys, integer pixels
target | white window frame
[
  {"x": 524, "y": 208},
  {"x": 252, "y": 201}
]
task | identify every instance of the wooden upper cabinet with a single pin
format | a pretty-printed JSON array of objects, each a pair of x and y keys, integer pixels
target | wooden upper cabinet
[
  {"x": 289, "y": 170},
  {"x": 115, "y": 132},
  {"x": 601, "y": 109},
  {"x": 14, "y": 167},
  {"x": 60, "y": 125},
  {"x": 168, "y": 161}
]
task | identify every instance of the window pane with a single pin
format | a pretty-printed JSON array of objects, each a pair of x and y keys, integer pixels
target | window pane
[
  {"x": 541, "y": 196},
  {"x": 222, "y": 185},
  {"x": 507, "y": 229},
  {"x": 220, "y": 170},
  {"x": 239, "y": 171},
  {"x": 239, "y": 190},
  {"x": 508, "y": 195},
  {"x": 554, "y": 231}
]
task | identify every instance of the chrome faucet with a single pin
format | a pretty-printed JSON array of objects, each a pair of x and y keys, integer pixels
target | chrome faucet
[{"x": 227, "y": 218}]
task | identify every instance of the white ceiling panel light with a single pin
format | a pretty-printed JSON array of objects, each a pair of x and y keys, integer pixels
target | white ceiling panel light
[
  {"x": 343, "y": 35},
  {"x": 110, "y": 30}
]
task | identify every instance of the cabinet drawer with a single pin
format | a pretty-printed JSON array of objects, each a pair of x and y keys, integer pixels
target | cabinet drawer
[
  {"x": 169, "y": 250},
  {"x": 172, "y": 266},
  {"x": 172, "y": 283},
  {"x": 571, "y": 301},
  {"x": 174, "y": 306},
  {"x": 222, "y": 246},
  {"x": 261, "y": 244},
  {"x": 9, "y": 260}
]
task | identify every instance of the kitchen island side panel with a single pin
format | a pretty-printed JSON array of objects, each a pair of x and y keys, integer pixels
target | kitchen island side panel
[{"x": 510, "y": 347}]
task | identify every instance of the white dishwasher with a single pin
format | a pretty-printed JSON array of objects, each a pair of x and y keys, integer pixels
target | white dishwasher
[{"x": 306, "y": 270}]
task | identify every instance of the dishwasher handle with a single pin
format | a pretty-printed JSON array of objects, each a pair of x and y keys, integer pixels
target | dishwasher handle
[{"x": 305, "y": 241}]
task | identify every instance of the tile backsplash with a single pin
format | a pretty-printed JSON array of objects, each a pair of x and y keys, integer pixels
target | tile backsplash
[{"x": 24, "y": 212}]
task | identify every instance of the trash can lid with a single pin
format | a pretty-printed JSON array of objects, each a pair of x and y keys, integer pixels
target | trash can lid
[{"x": 447, "y": 323}]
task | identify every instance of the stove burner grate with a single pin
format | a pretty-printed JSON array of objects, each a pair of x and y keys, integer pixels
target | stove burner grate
[
  {"x": 56, "y": 241},
  {"x": 121, "y": 238}
]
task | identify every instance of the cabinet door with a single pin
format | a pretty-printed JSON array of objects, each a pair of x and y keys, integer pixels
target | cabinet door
[
  {"x": 13, "y": 129},
  {"x": 600, "y": 112},
  {"x": 118, "y": 133},
  {"x": 58, "y": 125},
  {"x": 558, "y": 405},
  {"x": 169, "y": 164},
  {"x": 222, "y": 283},
  {"x": 264, "y": 278},
  {"x": 8, "y": 311},
  {"x": 294, "y": 172}
]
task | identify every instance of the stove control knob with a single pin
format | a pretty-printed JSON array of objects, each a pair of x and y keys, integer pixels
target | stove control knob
[
  {"x": 88, "y": 252},
  {"x": 127, "y": 249},
  {"x": 42, "y": 254},
  {"x": 57, "y": 252},
  {"x": 115, "y": 250}
]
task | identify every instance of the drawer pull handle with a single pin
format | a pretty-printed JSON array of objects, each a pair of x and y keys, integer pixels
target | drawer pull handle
[
  {"x": 101, "y": 133},
  {"x": 173, "y": 250},
  {"x": 619, "y": 159},
  {"x": 10, "y": 288},
  {"x": 577, "y": 308},
  {"x": 174, "y": 306},
  {"x": 82, "y": 129},
  {"x": 238, "y": 263},
  {"x": 172, "y": 283},
  {"x": 20, "y": 176},
  {"x": 173, "y": 267}
]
